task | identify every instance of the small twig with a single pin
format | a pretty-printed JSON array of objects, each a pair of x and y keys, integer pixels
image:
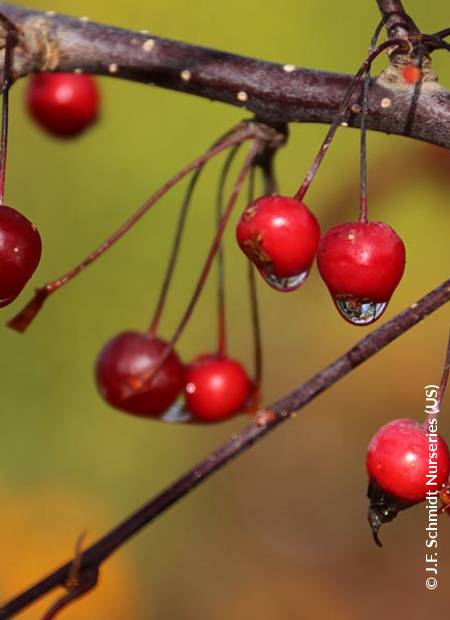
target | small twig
[
  {"x": 73, "y": 578},
  {"x": 88, "y": 581},
  {"x": 77, "y": 583},
  {"x": 93, "y": 557}
]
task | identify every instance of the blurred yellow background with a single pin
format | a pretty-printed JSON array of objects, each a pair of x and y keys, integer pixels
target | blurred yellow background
[{"x": 282, "y": 532}]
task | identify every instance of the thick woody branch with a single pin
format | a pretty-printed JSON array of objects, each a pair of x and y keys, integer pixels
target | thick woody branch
[
  {"x": 264, "y": 422},
  {"x": 273, "y": 92}
]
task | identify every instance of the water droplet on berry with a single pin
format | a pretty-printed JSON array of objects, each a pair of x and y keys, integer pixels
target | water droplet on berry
[
  {"x": 359, "y": 312},
  {"x": 176, "y": 414},
  {"x": 284, "y": 285}
]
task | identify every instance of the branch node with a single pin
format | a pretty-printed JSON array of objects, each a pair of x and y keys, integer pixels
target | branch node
[{"x": 40, "y": 44}]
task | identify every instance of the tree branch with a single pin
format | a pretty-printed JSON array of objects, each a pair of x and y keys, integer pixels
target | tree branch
[
  {"x": 398, "y": 22},
  {"x": 264, "y": 422},
  {"x": 273, "y": 92}
]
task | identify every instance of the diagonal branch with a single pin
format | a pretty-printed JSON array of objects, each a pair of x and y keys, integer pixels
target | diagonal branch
[
  {"x": 264, "y": 422},
  {"x": 275, "y": 93}
]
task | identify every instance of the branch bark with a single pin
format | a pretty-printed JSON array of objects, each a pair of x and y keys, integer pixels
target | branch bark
[
  {"x": 398, "y": 22},
  {"x": 274, "y": 93},
  {"x": 263, "y": 423}
]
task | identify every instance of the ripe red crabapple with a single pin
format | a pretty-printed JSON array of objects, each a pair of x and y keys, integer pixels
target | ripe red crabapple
[
  {"x": 124, "y": 365},
  {"x": 20, "y": 253},
  {"x": 216, "y": 387},
  {"x": 280, "y": 235},
  {"x": 361, "y": 264},
  {"x": 397, "y": 460},
  {"x": 65, "y": 104}
]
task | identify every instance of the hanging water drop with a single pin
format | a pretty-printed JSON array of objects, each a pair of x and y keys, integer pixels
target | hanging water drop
[
  {"x": 286, "y": 284},
  {"x": 176, "y": 414},
  {"x": 359, "y": 311}
]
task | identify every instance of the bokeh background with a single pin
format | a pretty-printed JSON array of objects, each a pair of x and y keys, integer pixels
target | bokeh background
[{"x": 281, "y": 532}]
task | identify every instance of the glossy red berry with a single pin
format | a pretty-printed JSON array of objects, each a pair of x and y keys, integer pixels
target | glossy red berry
[
  {"x": 280, "y": 235},
  {"x": 64, "y": 104},
  {"x": 361, "y": 264},
  {"x": 398, "y": 461},
  {"x": 20, "y": 253},
  {"x": 216, "y": 387},
  {"x": 123, "y": 367}
]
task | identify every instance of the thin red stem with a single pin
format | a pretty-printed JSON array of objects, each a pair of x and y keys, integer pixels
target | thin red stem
[
  {"x": 147, "y": 378},
  {"x": 174, "y": 253},
  {"x": 10, "y": 42},
  {"x": 221, "y": 302},
  {"x": 254, "y": 306},
  {"x": 363, "y": 216},
  {"x": 256, "y": 329},
  {"x": 178, "y": 238},
  {"x": 22, "y": 320},
  {"x": 342, "y": 111}
]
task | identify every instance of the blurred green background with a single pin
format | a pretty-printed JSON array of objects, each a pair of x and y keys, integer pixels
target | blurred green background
[{"x": 282, "y": 532}]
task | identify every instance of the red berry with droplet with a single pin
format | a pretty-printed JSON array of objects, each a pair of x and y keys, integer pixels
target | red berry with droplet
[
  {"x": 362, "y": 265},
  {"x": 65, "y": 104},
  {"x": 217, "y": 387},
  {"x": 280, "y": 235},
  {"x": 124, "y": 368},
  {"x": 397, "y": 460},
  {"x": 20, "y": 253}
]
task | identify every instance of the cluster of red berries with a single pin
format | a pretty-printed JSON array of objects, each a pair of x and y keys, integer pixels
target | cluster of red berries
[
  {"x": 141, "y": 374},
  {"x": 361, "y": 263},
  {"x": 64, "y": 104},
  {"x": 136, "y": 372}
]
